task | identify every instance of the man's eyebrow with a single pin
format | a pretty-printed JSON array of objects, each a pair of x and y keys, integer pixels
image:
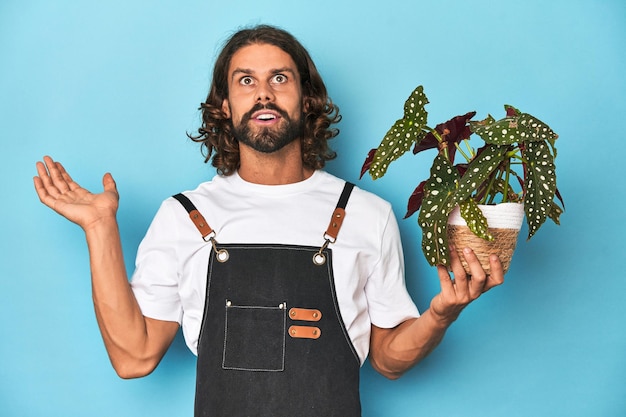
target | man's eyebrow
[
  {"x": 237, "y": 71},
  {"x": 284, "y": 69},
  {"x": 242, "y": 70}
]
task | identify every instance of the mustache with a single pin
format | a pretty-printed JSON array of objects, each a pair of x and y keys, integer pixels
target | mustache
[{"x": 269, "y": 106}]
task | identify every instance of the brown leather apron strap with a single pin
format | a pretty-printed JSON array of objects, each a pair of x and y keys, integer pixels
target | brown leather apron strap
[
  {"x": 330, "y": 236},
  {"x": 340, "y": 212},
  {"x": 196, "y": 217},
  {"x": 331, "y": 232}
]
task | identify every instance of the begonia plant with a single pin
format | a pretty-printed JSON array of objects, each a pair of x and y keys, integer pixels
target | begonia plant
[{"x": 516, "y": 163}]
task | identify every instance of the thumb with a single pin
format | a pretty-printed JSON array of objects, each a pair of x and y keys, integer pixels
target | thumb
[{"x": 109, "y": 183}]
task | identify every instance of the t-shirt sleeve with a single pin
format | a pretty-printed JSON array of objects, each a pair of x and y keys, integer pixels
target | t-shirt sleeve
[
  {"x": 155, "y": 280},
  {"x": 388, "y": 299}
]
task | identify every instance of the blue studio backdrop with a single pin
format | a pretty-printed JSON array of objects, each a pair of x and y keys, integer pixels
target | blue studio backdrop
[{"x": 115, "y": 85}]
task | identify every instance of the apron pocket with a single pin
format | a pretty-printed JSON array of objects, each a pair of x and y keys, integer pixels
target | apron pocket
[{"x": 254, "y": 338}]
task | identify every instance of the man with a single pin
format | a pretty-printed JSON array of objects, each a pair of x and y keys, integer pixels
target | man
[{"x": 283, "y": 277}]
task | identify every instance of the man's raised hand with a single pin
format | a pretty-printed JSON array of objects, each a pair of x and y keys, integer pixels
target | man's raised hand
[{"x": 57, "y": 190}]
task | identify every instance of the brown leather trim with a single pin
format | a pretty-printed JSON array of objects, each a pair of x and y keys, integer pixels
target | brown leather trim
[
  {"x": 304, "y": 332},
  {"x": 305, "y": 314},
  {"x": 200, "y": 223},
  {"x": 335, "y": 222}
]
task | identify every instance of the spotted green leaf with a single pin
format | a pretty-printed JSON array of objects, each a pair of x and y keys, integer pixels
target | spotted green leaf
[
  {"x": 516, "y": 127},
  {"x": 540, "y": 185},
  {"x": 535, "y": 130},
  {"x": 402, "y": 135},
  {"x": 555, "y": 213},
  {"x": 479, "y": 170},
  {"x": 502, "y": 132},
  {"x": 436, "y": 207},
  {"x": 475, "y": 219}
]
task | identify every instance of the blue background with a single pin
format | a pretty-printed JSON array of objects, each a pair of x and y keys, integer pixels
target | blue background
[{"x": 115, "y": 85}]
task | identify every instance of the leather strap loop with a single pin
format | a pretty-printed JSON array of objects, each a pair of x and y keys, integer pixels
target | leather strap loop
[
  {"x": 201, "y": 224},
  {"x": 340, "y": 213},
  {"x": 305, "y": 314},
  {"x": 304, "y": 332},
  {"x": 195, "y": 216},
  {"x": 335, "y": 223}
]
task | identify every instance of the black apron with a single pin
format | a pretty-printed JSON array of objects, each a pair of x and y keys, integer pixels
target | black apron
[{"x": 272, "y": 340}]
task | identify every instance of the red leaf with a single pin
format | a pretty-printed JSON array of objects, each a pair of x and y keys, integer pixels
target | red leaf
[
  {"x": 429, "y": 142},
  {"x": 511, "y": 111},
  {"x": 558, "y": 195},
  {"x": 415, "y": 201},
  {"x": 368, "y": 162},
  {"x": 453, "y": 131}
]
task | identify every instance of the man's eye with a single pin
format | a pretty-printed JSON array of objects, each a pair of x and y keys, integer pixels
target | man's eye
[
  {"x": 246, "y": 81},
  {"x": 279, "y": 79}
]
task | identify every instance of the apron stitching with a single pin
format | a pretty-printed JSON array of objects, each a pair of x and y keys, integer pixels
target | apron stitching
[
  {"x": 342, "y": 325},
  {"x": 284, "y": 319}
]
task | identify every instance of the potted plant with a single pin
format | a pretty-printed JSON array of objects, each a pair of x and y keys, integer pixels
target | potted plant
[{"x": 513, "y": 168}]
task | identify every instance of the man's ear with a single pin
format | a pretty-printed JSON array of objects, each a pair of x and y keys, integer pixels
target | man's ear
[{"x": 226, "y": 108}]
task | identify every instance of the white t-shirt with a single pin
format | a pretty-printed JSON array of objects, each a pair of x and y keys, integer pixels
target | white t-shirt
[{"x": 171, "y": 267}]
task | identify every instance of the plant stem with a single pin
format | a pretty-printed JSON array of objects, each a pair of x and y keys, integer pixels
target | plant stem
[
  {"x": 507, "y": 176},
  {"x": 514, "y": 155},
  {"x": 490, "y": 187},
  {"x": 458, "y": 148},
  {"x": 440, "y": 140},
  {"x": 469, "y": 148}
]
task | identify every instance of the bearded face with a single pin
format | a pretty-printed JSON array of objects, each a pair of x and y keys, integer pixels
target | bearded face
[
  {"x": 267, "y": 128},
  {"x": 264, "y": 100}
]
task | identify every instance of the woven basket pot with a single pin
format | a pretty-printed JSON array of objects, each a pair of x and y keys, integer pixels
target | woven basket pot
[{"x": 505, "y": 222}]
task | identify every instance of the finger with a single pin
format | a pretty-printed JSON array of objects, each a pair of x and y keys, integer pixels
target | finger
[
  {"x": 447, "y": 305},
  {"x": 42, "y": 171},
  {"x": 66, "y": 177},
  {"x": 496, "y": 277},
  {"x": 445, "y": 279},
  {"x": 440, "y": 304},
  {"x": 477, "y": 284},
  {"x": 109, "y": 183},
  {"x": 42, "y": 192},
  {"x": 54, "y": 173},
  {"x": 44, "y": 183},
  {"x": 455, "y": 262},
  {"x": 50, "y": 199},
  {"x": 460, "y": 276}
]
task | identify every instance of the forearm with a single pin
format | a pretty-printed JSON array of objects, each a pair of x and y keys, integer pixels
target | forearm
[
  {"x": 123, "y": 326},
  {"x": 135, "y": 344},
  {"x": 394, "y": 351}
]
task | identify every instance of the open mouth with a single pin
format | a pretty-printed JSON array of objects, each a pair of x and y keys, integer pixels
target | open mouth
[{"x": 266, "y": 117}]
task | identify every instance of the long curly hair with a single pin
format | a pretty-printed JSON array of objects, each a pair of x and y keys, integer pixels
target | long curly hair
[{"x": 319, "y": 112}]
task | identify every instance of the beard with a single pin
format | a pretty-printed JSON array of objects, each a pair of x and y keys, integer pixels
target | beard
[{"x": 266, "y": 139}]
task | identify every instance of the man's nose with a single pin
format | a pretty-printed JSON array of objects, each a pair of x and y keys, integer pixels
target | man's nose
[{"x": 264, "y": 93}]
